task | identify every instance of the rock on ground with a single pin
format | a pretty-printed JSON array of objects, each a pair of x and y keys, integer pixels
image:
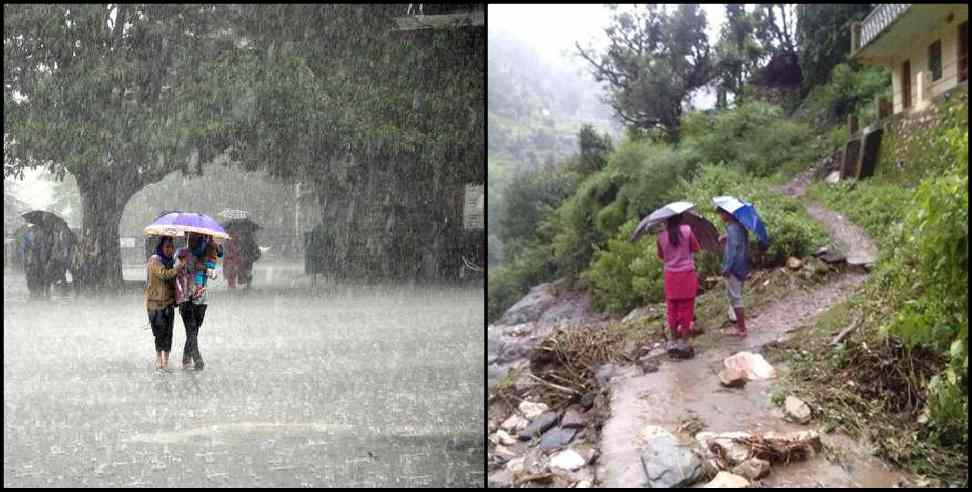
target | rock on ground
[
  {"x": 754, "y": 365},
  {"x": 572, "y": 419},
  {"x": 732, "y": 377},
  {"x": 539, "y": 425},
  {"x": 557, "y": 438},
  {"x": 514, "y": 424},
  {"x": 567, "y": 460},
  {"x": 724, "y": 480},
  {"x": 752, "y": 469},
  {"x": 532, "y": 410},
  {"x": 667, "y": 463},
  {"x": 734, "y": 452},
  {"x": 796, "y": 410}
]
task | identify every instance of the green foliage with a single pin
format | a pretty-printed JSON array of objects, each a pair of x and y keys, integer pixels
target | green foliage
[
  {"x": 823, "y": 30},
  {"x": 754, "y": 136},
  {"x": 528, "y": 200},
  {"x": 934, "y": 311},
  {"x": 510, "y": 282},
  {"x": 594, "y": 149},
  {"x": 655, "y": 61},
  {"x": 792, "y": 232},
  {"x": 626, "y": 275},
  {"x": 875, "y": 206},
  {"x": 851, "y": 90}
]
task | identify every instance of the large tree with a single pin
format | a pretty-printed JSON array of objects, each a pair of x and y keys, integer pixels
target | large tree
[
  {"x": 738, "y": 53},
  {"x": 392, "y": 125},
  {"x": 118, "y": 96},
  {"x": 655, "y": 60},
  {"x": 823, "y": 36}
]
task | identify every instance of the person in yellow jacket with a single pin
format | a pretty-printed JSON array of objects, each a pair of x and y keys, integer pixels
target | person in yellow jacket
[{"x": 160, "y": 274}]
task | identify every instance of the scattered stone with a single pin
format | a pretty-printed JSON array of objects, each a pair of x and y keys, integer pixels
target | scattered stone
[
  {"x": 500, "y": 479},
  {"x": 732, "y": 377},
  {"x": 501, "y": 437},
  {"x": 567, "y": 460},
  {"x": 516, "y": 465},
  {"x": 535, "y": 462},
  {"x": 642, "y": 312},
  {"x": 667, "y": 463},
  {"x": 793, "y": 263},
  {"x": 572, "y": 418},
  {"x": 504, "y": 452},
  {"x": 584, "y": 484},
  {"x": 833, "y": 177},
  {"x": 557, "y": 438},
  {"x": 605, "y": 373},
  {"x": 734, "y": 452},
  {"x": 539, "y": 426},
  {"x": 752, "y": 469},
  {"x": 648, "y": 365},
  {"x": 588, "y": 452},
  {"x": 532, "y": 410},
  {"x": 754, "y": 365},
  {"x": 809, "y": 437},
  {"x": 514, "y": 424},
  {"x": 530, "y": 307},
  {"x": 822, "y": 251},
  {"x": 587, "y": 400},
  {"x": 796, "y": 410},
  {"x": 833, "y": 258},
  {"x": 726, "y": 480}
]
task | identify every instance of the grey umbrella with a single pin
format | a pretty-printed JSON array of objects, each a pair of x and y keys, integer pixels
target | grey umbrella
[
  {"x": 43, "y": 218},
  {"x": 703, "y": 230}
]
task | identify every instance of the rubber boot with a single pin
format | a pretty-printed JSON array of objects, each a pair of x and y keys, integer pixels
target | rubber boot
[{"x": 740, "y": 319}]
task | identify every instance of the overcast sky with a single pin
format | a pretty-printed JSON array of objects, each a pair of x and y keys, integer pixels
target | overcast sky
[{"x": 553, "y": 29}]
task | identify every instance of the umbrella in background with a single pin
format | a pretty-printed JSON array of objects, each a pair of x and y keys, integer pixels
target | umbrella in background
[
  {"x": 745, "y": 213},
  {"x": 242, "y": 225},
  {"x": 233, "y": 214},
  {"x": 703, "y": 230},
  {"x": 43, "y": 218},
  {"x": 179, "y": 223}
]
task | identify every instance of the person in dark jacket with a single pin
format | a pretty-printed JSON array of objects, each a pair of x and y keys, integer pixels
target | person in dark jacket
[{"x": 735, "y": 268}]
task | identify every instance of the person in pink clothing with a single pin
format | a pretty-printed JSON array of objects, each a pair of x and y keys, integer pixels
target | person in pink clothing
[{"x": 676, "y": 243}]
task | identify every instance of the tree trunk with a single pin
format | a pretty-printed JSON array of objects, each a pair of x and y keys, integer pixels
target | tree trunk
[{"x": 98, "y": 259}]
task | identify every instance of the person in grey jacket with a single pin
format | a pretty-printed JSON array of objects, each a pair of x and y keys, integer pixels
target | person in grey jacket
[{"x": 735, "y": 268}]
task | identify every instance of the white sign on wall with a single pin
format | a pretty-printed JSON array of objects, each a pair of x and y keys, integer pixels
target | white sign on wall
[
  {"x": 474, "y": 208},
  {"x": 127, "y": 242}
]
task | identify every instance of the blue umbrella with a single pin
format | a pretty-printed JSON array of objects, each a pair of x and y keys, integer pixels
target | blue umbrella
[
  {"x": 745, "y": 213},
  {"x": 179, "y": 223}
]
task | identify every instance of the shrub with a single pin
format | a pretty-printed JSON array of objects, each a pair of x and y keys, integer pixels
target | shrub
[
  {"x": 932, "y": 283},
  {"x": 755, "y": 136},
  {"x": 792, "y": 232},
  {"x": 625, "y": 275}
]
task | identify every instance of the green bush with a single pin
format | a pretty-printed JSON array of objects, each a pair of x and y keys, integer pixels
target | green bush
[
  {"x": 792, "y": 232},
  {"x": 755, "y": 136},
  {"x": 625, "y": 275},
  {"x": 931, "y": 283},
  {"x": 875, "y": 206},
  {"x": 851, "y": 90},
  {"x": 505, "y": 285}
]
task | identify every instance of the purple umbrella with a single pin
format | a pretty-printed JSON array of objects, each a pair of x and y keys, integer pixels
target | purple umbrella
[{"x": 179, "y": 223}]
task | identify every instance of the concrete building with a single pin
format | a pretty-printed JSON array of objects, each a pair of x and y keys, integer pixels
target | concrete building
[{"x": 925, "y": 46}]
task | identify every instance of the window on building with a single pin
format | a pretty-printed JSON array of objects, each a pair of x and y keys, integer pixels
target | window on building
[
  {"x": 963, "y": 52},
  {"x": 935, "y": 60}
]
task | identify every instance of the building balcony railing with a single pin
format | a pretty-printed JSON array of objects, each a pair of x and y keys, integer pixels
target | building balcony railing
[{"x": 865, "y": 31}]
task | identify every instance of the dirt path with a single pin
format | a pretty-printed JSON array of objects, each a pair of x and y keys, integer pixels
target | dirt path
[{"x": 690, "y": 388}]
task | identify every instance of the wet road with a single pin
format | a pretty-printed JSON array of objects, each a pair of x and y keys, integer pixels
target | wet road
[{"x": 347, "y": 387}]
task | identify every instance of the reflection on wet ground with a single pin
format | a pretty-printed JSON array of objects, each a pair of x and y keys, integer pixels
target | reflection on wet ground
[{"x": 369, "y": 386}]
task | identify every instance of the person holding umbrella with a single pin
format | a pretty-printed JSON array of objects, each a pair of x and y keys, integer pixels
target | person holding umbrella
[
  {"x": 676, "y": 243},
  {"x": 738, "y": 216},
  {"x": 200, "y": 230},
  {"x": 160, "y": 274}
]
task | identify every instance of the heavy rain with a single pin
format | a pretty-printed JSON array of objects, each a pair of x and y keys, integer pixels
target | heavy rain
[{"x": 315, "y": 319}]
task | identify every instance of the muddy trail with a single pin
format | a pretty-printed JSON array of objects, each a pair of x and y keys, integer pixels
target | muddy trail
[{"x": 690, "y": 389}]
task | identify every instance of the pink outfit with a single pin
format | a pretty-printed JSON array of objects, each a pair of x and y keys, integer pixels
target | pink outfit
[
  {"x": 681, "y": 283},
  {"x": 678, "y": 259}
]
